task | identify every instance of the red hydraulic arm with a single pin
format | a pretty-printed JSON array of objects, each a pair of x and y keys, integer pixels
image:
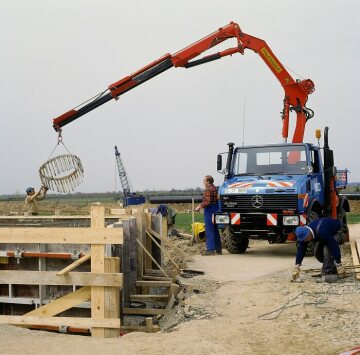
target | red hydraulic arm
[{"x": 296, "y": 92}]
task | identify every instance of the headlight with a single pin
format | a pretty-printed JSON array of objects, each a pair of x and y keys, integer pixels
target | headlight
[
  {"x": 222, "y": 219},
  {"x": 291, "y": 220}
]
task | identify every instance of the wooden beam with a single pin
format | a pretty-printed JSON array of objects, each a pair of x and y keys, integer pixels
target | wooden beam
[
  {"x": 151, "y": 257},
  {"x": 61, "y": 321},
  {"x": 139, "y": 328},
  {"x": 355, "y": 252},
  {"x": 74, "y": 265},
  {"x": 112, "y": 297},
  {"x": 164, "y": 251},
  {"x": 145, "y": 311},
  {"x": 61, "y": 235},
  {"x": 149, "y": 298},
  {"x": 165, "y": 240},
  {"x": 98, "y": 265},
  {"x": 146, "y": 283},
  {"x": 63, "y": 303},
  {"x": 21, "y": 277}
]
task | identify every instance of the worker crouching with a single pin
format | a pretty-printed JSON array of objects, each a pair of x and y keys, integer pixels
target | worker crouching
[{"x": 323, "y": 232}]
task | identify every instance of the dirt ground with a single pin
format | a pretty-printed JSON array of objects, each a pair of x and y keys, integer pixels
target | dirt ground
[{"x": 243, "y": 304}]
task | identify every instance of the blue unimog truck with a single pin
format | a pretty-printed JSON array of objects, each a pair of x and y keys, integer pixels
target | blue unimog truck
[{"x": 269, "y": 190}]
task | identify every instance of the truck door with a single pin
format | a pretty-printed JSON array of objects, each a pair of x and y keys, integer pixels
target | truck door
[{"x": 316, "y": 180}]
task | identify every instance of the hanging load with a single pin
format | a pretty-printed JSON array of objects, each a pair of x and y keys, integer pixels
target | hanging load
[{"x": 62, "y": 173}]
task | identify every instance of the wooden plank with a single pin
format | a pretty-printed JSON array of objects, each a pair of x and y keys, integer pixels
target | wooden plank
[
  {"x": 153, "y": 283},
  {"x": 140, "y": 232},
  {"x": 164, "y": 251},
  {"x": 146, "y": 298},
  {"x": 22, "y": 277},
  {"x": 61, "y": 321},
  {"x": 357, "y": 247},
  {"x": 53, "y": 217},
  {"x": 74, "y": 265},
  {"x": 156, "y": 278},
  {"x": 61, "y": 235},
  {"x": 132, "y": 254},
  {"x": 148, "y": 243},
  {"x": 145, "y": 311},
  {"x": 98, "y": 265},
  {"x": 355, "y": 256},
  {"x": 63, "y": 303},
  {"x": 151, "y": 257},
  {"x": 112, "y": 297},
  {"x": 173, "y": 246},
  {"x": 139, "y": 328}
]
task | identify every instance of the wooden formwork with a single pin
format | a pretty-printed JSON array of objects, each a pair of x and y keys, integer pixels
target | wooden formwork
[
  {"x": 101, "y": 285},
  {"x": 134, "y": 244}
]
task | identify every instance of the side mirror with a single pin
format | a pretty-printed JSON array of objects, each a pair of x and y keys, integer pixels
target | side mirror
[{"x": 219, "y": 163}]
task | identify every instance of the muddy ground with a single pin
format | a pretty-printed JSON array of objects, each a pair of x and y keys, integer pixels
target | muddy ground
[{"x": 243, "y": 304}]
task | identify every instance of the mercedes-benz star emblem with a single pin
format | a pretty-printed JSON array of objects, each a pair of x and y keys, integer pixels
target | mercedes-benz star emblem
[{"x": 257, "y": 201}]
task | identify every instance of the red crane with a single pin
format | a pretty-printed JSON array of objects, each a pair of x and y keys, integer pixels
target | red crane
[{"x": 296, "y": 91}]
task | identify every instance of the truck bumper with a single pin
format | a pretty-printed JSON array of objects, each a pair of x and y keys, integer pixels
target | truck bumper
[{"x": 270, "y": 226}]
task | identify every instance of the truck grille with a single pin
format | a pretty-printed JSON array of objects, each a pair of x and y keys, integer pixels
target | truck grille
[{"x": 270, "y": 202}]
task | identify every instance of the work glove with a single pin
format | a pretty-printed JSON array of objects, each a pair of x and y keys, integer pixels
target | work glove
[
  {"x": 296, "y": 272},
  {"x": 341, "y": 270}
]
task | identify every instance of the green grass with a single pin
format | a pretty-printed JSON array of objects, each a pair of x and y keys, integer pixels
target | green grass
[
  {"x": 353, "y": 217},
  {"x": 183, "y": 221}
]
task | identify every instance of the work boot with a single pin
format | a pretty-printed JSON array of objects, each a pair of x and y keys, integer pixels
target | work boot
[
  {"x": 209, "y": 252},
  {"x": 219, "y": 252}
]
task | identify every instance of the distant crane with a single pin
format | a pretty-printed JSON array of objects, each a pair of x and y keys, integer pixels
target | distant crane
[{"x": 130, "y": 198}]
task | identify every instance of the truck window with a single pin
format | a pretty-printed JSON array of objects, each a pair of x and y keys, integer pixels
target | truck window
[
  {"x": 314, "y": 156},
  {"x": 240, "y": 163},
  {"x": 266, "y": 160}
]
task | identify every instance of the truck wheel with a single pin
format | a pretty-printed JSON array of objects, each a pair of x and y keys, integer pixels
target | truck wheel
[
  {"x": 311, "y": 246},
  {"x": 234, "y": 244},
  {"x": 343, "y": 234}
]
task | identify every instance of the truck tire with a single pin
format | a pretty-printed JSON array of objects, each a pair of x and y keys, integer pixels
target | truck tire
[
  {"x": 311, "y": 246},
  {"x": 343, "y": 233},
  {"x": 234, "y": 244}
]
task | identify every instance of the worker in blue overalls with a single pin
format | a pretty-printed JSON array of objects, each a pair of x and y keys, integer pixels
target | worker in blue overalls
[
  {"x": 323, "y": 232},
  {"x": 210, "y": 206}
]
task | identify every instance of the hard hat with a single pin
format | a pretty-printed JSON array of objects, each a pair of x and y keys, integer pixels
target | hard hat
[
  {"x": 29, "y": 189},
  {"x": 301, "y": 233}
]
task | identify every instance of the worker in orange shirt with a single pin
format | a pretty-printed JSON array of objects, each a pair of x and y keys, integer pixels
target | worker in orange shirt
[{"x": 210, "y": 206}]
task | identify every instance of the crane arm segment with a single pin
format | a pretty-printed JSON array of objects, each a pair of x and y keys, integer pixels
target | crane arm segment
[{"x": 296, "y": 92}]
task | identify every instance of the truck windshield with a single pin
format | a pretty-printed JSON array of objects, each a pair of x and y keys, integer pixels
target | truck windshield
[{"x": 285, "y": 160}]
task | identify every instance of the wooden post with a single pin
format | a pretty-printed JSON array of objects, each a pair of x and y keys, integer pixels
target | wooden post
[
  {"x": 148, "y": 243},
  {"x": 112, "y": 297},
  {"x": 97, "y": 265},
  {"x": 140, "y": 233}
]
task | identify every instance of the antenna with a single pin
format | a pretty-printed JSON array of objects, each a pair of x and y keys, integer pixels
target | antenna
[{"x": 244, "y": 111}]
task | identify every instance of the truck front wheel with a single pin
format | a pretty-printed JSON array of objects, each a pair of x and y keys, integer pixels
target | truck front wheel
[{"x": 234, "y": 244}]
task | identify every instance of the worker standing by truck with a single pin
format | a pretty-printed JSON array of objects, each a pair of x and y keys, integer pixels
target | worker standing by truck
[
  {"x": 210, "y": 206},
  {"x": 32, "y": 198},
  {"x": 323, "y": 232}
]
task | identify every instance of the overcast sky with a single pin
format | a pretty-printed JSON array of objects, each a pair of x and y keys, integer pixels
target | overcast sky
[{"x": 57, "y": 54}]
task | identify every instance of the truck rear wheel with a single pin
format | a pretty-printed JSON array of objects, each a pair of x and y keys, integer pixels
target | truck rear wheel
[
  {"x": 234, "y": 244},
  {"x": 311, "y": 246}
]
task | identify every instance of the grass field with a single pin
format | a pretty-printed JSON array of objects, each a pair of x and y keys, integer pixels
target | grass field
[{"x": 183, "y": 221}]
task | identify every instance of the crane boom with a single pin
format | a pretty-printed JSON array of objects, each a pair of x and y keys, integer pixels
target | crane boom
[
  {"x": 296, "y": 91},
  {"x": 122, "y": 174},
  {"x": 130, "y": 197}
]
